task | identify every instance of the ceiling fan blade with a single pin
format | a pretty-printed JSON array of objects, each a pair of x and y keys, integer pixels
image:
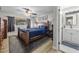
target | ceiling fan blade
[
  {"x": 26, "y": 9},
  {"x": 34, "y": 14}
]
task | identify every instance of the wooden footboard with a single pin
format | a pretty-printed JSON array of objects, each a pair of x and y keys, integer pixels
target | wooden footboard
[{"x": 24, "y": 36}]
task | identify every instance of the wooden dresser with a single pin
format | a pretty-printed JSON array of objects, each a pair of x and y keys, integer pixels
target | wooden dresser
[{"x": 3, "y": 30}]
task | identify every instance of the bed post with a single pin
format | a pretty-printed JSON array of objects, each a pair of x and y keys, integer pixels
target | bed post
[{"x": 25, "y": 37}]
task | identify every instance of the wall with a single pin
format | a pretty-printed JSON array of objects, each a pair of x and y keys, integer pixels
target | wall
[
  {"x": 9, "y": 11},
  {"x": 54, "y": 18},
  {"x": 56, "y": 28}
]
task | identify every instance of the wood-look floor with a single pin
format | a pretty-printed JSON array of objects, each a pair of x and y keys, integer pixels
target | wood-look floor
[
  {"x": 5, "y": 46},
  {"x": 45, "y": 47}
]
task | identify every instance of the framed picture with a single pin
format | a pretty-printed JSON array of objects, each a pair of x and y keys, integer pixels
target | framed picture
[
  {"x": 20, "y": 22},
  {"x": 43, "y": 17}
]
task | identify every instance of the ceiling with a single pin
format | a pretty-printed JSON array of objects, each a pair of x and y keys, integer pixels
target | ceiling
[
  {"x": 18, "y": 10},
  {"x": 39, "y": 9},
  {"x": 69, "y": 8}
]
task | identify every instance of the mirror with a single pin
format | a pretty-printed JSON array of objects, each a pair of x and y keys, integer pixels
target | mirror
[{"x": 71, "y": 20}]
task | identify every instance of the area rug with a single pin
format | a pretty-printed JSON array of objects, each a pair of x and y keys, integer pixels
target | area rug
[
  {"x": 72, "y": 45},
  {"x": 17, "y": 45}
]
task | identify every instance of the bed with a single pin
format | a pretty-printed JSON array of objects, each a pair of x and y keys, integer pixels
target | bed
[{"x": 31, "y": 34}]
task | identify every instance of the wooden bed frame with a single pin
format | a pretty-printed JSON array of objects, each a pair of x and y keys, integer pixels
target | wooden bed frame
[{"x": 25, "y": 37}]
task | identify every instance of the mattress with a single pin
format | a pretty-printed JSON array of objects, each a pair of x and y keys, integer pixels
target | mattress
[{"x": 35, "y": 31}]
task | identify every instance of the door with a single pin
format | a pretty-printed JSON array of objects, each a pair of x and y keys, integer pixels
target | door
[
  {"x": 69, "y": 35},
  {"x": 11, "y": 24}
]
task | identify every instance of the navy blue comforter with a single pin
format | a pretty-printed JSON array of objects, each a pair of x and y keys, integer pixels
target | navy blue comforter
[{"x": 35, "y": 31}]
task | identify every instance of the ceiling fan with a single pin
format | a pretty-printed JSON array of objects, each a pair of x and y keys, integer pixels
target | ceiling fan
[{"x": 28, "y": 10}]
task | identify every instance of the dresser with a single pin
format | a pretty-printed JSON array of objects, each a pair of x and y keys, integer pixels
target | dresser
[{"x": 3, "y": 30}]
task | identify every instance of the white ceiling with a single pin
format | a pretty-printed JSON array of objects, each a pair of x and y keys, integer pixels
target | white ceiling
[
  {"x": 39, "y": 9},
  {"x": 69, "y": 8},
  {"x": 35, "y": 9}
]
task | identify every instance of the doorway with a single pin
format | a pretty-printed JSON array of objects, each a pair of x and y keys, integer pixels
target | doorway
[{"x": 69, "y": 41}]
